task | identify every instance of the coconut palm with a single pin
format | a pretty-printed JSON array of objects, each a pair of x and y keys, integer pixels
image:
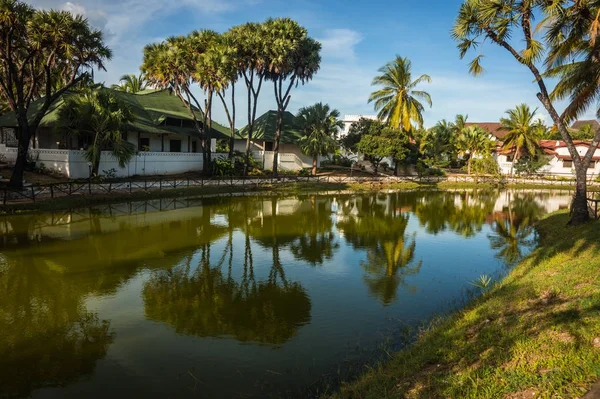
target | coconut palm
[
  {"x": 398, "y": 102},
  {"x": 523, "y": 132},
  {"x": 319, "y": 124},
  {"x": 131, "y": 83},
  {"x": 473, "y": 141},
  {"x": 101, "y": 117}
]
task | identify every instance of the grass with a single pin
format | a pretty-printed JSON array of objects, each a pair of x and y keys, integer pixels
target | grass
[{"x": 534, "y": 334}]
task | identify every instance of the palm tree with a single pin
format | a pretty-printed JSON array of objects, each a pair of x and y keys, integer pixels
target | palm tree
[
  {"x": 131, "y": 83},
  {"x": 101, "y": 117},
  {"x": 319, "y": 124},
  {"x": 523, "y": 133},
  {"x": 292, "y": 58},
  {"x": 473, "y": 141},
  {"x": 398, "y": 101}
]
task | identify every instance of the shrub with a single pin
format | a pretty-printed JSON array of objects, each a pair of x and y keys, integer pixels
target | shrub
[
  {"x": 223, "y": 167},
  {"x": 304, "y": 172},
  {"x": 485, "y": 166},
  {"x": 529, "y": 165},
  {"x": 110, "y": 174}
]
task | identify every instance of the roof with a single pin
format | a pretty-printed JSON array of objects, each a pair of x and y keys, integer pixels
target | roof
[
  {"x": 266, "y": 124},
  {"x": 491, "y": 127},
  {"x": 548, "y": 147},
  {"x": 151, "y": 109},
  {"x": 580, "y": 124}
]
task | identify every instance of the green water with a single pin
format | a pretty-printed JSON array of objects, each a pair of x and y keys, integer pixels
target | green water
[{"x": 240, "y": 297}]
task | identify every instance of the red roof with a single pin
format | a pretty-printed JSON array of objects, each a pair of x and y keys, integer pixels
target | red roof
[{"x": 491, "y": 127}]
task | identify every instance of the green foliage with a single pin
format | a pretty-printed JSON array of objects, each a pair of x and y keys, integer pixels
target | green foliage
[
  {"x": 222, "y": 146},
  {"x": 223, "y": 167},
  {"x": 358, "y": 129},
  {"x": 46, "y": 52},
  {"x": 99, "y": 117},
  {"x": 398, "y": 102},
  {"x": 319, "y": 125},
  {"x": 529, "y": 165},
  {"x": 482, "y": 282},
  {"x": 486, "y": 165},
  {"x": 131, "y": 83},
  {"x": 474, "y": 141},
  {"x": 523, "y": 133}
]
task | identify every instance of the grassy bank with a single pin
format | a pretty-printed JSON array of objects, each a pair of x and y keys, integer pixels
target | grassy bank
[{"x": 536, "y": 334}]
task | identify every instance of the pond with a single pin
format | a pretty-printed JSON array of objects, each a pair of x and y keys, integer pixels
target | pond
[{"x": 241, "y": 296}]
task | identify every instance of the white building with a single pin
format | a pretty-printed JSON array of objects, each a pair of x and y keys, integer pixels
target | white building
[{"x": 350, "y": 119}]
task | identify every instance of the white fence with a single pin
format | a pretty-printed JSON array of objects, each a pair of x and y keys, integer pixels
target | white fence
[{"x": 72, "y": 163}]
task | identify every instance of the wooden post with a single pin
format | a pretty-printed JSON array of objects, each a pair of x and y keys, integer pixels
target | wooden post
[
  {"x": 189, "y": 144},
  {"x": 162, "y": 143},
  {"x": 32, "y": 193}
]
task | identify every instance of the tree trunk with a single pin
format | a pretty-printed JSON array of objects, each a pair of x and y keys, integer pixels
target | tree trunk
[
  {"x": 395, "y": 168},
  {"x": 277, "y": 138},
  {"x": 579, "y": 207},
  {"x": 16, "y": 179},
  {"x": 314, "y": 168},
  {"x": 469, "y": 166}
]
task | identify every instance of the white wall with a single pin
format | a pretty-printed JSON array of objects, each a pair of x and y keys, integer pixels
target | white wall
[
  {"x": 555, "y": 165},
  {"x": 72, "y": 163}
]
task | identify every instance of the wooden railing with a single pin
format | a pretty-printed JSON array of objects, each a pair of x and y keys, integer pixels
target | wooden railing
[{"x": 86, "y": 187}]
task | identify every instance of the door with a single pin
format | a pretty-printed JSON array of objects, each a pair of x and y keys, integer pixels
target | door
[{"x": 175, "y": 146}]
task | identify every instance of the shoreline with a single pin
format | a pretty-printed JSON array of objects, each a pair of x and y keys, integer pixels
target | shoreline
[
  {"x": 82, "y": 200},
  {"x": 520, "y": 338}
]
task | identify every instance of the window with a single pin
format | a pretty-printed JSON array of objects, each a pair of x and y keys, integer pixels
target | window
[
  {"x": 175, "y": 146},
  {"x": 567, "y": 164},
  {"x": 592, "y": 165},
  {"x": 268, "y": 146},
  {"x": 144, "y": 144},
  {"x": 509, "y": 158},
  {"x": 194, "y": 146}
]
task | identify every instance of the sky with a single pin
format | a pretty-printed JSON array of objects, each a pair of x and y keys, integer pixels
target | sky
[{"x": 357, "y": 38}]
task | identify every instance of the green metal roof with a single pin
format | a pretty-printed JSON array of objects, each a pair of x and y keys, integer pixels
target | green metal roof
[
  {"x": 266, "y": 124},
  {"x": 151, "y": 108}
]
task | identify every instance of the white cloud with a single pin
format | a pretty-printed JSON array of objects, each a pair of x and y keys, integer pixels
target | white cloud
[{"x": 339, "y": 43}]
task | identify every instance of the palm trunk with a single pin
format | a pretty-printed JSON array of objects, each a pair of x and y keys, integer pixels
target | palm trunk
[
  {"x": 314, "y": 166},
  {"x": 24, "y": 138},
  {"x": 579, "y": 207},
  {"x": 232, "y": 122},
  {"x": 469, "y": 165},
  {"x": 277, "y": 138}
]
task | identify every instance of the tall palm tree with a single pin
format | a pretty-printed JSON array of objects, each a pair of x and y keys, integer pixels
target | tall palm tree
[
  {"x": 293, "y": 58},
  {"x": 131, "y": 83},
  {"x": 398, "y": 101},
  {"x": 101, "y": 117},
  {"x": 473, "y": 141},
  {"x": 523, "y": 132},
  {"x": 319, "y": 123}
]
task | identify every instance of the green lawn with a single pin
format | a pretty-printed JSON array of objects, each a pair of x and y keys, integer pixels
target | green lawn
[{"x": 536, "y": 334}]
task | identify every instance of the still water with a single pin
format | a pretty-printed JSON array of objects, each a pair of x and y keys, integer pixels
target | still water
[{"x": 239, "y": 297}]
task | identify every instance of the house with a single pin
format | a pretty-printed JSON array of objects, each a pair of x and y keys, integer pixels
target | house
[
  {"x": 163, "y": 132},
  {"x": 560, "y": 161},
  {"x": 263, "y": 140},
  {"x": 493, "y": 128}
]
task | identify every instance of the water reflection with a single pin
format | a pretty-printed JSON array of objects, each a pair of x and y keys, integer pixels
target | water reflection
[
  {"x": 250, "y": 270},
  {"x": 377, "y": 224}
]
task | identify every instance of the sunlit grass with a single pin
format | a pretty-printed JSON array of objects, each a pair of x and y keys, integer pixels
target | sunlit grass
[{"x": 534, "y": 334}]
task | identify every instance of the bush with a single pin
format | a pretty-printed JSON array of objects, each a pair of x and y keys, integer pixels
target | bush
[
  {"x": 110, "y": 174},
  {"x": 223, "y": 167},
  {"x": 304, "y": 172},
  {"x": 384, "y": 165},
  {"x": 528, "y": 165},
  {"x": 485, "y": 166},
  {"x": 423, "y": 170}
]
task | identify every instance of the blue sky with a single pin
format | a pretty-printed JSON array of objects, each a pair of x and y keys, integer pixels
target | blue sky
[{"x": 358, "y": 37}]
